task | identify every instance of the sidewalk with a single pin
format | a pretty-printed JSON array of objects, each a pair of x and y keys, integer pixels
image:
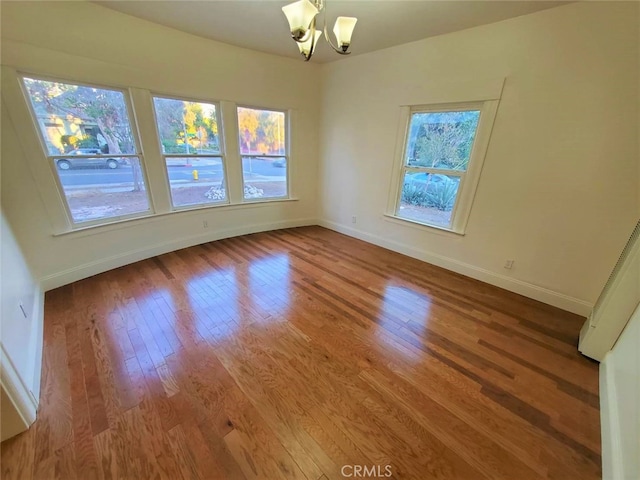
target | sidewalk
[{"x": 126, "y": 187}]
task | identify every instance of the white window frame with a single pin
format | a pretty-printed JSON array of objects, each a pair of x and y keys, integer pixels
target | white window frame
[
  {"x": 52, "y": 159},
  {"x": 140, "y": 109},
  {"x": 221, "y": 154},
  {"x": 468, "y": 179},
  {"x": 286, "y": 156}
]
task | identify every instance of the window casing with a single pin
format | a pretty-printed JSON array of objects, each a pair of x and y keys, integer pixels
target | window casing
[
  {"x": 439, "y": 163},
  {"x": 191, "y": 145},
  {"x": 92, "y": 148},
  {"x": 151, "y": 184},
  {"x": 264, "y": 152}
]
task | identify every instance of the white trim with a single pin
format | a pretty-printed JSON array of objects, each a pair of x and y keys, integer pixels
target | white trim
[
  {"x": 36, "y": 343},
  {"x": 158, "y": 140},
  {"x": 469, "y": 178},
  {"x": 469, "y": 182},
  {"x": 407, "y": 222},
  {"x": 615, "y": 306},
  {"x": 24, "y": 393},
  {"x": 28, "y": 389},
  {"x": 17, "y": 390},
  {"x": 395, "y": 188},
  {"x": 160, "y": 217},
  {"x": 30, "y": 143},
  {"x": 51, "y": 159},
  {"x": 231, "y": 139},
  {"x": 143, "y": 121},
  {"x": 104, "y": 264},
  {"x": 452, "y": 91},
  {"x": 556, "y": 299},
  {"x": 612, "y": 460},
  {"x": 287, "y": 146}
]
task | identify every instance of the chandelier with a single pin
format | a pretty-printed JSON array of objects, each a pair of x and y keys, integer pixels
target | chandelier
[{"x": 301, "y": 16}]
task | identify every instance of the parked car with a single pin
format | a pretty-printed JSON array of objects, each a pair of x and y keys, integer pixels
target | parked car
[
  {"x": 94, "y": 162},
  {"x": 280, "y": 162}
]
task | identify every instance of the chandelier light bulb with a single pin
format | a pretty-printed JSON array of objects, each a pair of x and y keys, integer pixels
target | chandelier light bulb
[{"x": 343, "y": 30}]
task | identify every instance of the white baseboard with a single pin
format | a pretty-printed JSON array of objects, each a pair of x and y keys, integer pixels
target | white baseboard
[
  {"x": 86, "y": 270},
  {"x": 544, "y": 295},
  {"x": 535, "y": 292},
  {"x": 612, "y": 460}
]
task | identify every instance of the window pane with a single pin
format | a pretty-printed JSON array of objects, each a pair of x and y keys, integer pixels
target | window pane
[
  {"x": 196, "y": 180},
  {"x": 102, "y": 187},
  {"x": 441, "y": 139},
  {"x": 262, "y": 132},
  {"x": 73, "y": 117},
  {"x": 187, "y": 127},
  {"x": 428, "y": 198},
  {"x": 264, "y": 177}
]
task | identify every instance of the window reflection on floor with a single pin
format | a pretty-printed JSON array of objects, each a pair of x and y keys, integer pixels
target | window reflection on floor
[
  {"x": 215, "y": 298},
  {"x": 269, "y": 283},
  {"x": 223, "y": 299},
  {"x": 412, "y": 310}
]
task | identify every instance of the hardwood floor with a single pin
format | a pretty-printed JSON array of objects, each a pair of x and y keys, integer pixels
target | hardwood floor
[{"x": 294, "y": 353}]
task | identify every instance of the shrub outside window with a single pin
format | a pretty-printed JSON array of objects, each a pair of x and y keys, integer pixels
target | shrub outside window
[
  {"x": 264, "y": 153},
  {"x": 88, "y": 138},
  {"x": 189, "y": 134},
  {"x": 443, "y": 150}
]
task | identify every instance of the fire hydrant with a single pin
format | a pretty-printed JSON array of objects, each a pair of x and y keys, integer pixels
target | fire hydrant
[{"x": 195, "y": 175}]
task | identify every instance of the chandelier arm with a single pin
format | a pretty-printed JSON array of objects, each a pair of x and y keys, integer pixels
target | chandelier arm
[
  {"x": 312, "y": 30},
  {"x": 328, "y": 38}
]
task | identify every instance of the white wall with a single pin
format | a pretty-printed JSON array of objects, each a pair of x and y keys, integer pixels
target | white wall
[
  {"x": 20, "y": 335},
  {"x": 18, "y": 287},
  {"x": 620, "y": 405},
  {"x": 86, "y": 42},
  {"x": 559, "y": 188}
]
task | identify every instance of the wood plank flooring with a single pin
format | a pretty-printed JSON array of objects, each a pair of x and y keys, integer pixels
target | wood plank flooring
[{"x": 306, "y": 354}]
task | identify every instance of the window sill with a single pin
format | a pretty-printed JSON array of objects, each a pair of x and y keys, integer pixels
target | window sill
[
  {"x": 86, "y": 230},
  {"x": 422, "y": 226},
  {"x": 253, "y": 201}
]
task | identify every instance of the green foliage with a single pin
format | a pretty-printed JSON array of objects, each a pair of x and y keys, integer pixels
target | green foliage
[
  {"x": 442, "y": 140},
  {"x": 186, "y": 127},
  {"x": 443, "y": 196},
  {"x": 172, "y": 147},
  {"x": 261, "y": 131},
  {"x": 88, "y": 142},
  {"x": 68, "y": 142},
  {"x": 413, "y": 195},
  {"x": 75, "y": 105}
]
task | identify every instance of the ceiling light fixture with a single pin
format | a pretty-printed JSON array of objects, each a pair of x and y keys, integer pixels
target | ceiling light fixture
[{"x": 301, "y": 16}]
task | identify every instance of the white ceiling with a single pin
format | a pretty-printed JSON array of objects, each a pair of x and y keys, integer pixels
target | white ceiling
[{"x": 261, "y": 25}]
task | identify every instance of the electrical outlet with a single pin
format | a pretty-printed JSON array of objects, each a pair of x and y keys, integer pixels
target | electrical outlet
[
  {"x": 509, "y": 264},
  {"x": 24, "y": 312},
  {"x": 354, "y": 219},
  {"x": 205, "y": 224}
]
